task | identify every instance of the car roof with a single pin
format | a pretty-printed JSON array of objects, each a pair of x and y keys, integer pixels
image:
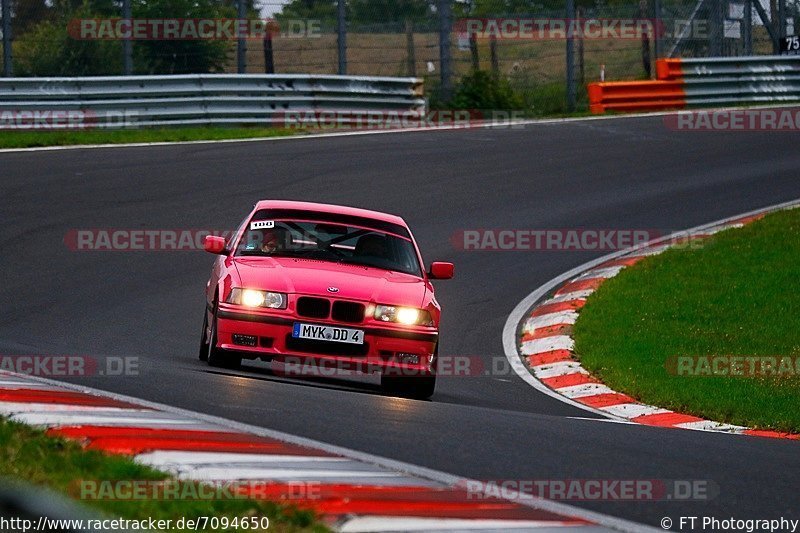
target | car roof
[{"x": 331, "y": 208}]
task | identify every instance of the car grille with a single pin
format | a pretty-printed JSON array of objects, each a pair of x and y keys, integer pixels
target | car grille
[
  {"x": 325, "y": 347},
  {"x": 341, "y": 311},
  {"x": 348, "y": 312},
  {"x": 313, "y": 307}
]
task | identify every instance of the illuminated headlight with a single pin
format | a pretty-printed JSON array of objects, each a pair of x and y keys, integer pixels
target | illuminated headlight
[
  {"x": 254, "y": 298},
  {"x": 403, "y": 315}
]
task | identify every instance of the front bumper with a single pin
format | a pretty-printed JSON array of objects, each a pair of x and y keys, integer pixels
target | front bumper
[{"x": 386, "y": 349}]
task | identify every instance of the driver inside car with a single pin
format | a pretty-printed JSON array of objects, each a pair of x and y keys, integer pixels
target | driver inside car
[
  {"x": 371, "y": 246},
  {"x": 274, "y": 240}
]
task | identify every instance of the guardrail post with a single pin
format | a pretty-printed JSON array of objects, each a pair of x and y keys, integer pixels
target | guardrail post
[
  {"x": 341, "y": 32},
  {"x": 127, "y": 44},
  {"x": 8, "y": 71},
  {"x": 241, "y": 44},
  {"x": 570, "y": 58}
]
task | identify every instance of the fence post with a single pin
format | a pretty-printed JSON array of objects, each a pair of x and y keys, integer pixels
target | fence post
[
  {"x": 127, "y": 44},
  {"x": 493, "y": 55},
  {"x": 269, "y": 58},
  {"x": 659, "y": 30},
  {"x": 411, "y": 56},
  {"x": 341, "y": 35},
  {"x": 445, "y": 57},
  {"x": 581, "y": 66},
  {"x": 717, "y": 30},
  {"x": 781, "y": 19},
  {"x": 645, "y": 41},
  {"x": 8, "y": 71},
  {"x": 473, "y": 51},
  {"x": 747, "y": 31},
  {"x": 571, "y": 93},
  {"x": 241, "y": 44}
]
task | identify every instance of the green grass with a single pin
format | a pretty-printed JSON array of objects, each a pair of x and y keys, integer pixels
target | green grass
[
  {"x": 29, "y": 455},
  {"x": 734, "y": 295},
  {"x": 29, "y": 139}
]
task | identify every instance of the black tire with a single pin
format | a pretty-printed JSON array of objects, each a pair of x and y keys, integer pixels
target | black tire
[
  {"x": 216, "y": 356},
  {"x": 203, "y": 344},
  {"x": 414, "y": 387}
]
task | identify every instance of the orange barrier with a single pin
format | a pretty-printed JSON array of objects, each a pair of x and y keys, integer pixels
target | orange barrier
[
  {"x": 669, "y": 69},
  {"x": 708, "y": 82},
  {"x": 648, "y": 95}
]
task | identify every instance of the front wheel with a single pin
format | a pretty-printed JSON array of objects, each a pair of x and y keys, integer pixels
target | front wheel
[
  {"x": 203, "y": 336},
  {"x": 217, "y": 356},
  {"x": 416, "y": 388}
]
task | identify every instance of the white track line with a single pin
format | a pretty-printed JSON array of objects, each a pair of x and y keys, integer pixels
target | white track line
[{"x": 388, "y": 524}]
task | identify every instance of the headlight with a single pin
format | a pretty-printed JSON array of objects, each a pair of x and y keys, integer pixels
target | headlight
[
  {"x": 403, "y": 315},
  {"x": 254, "y": 298}
]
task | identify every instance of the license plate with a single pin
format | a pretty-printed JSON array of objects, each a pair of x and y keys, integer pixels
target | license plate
[{"x": 327, "y": 333}]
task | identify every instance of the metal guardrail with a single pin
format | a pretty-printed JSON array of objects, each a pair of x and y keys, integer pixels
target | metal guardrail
[
  {"x": 205, "y": 99},
  {"x": 729, "y": 80},
  {"x": 704, "y": 82}
]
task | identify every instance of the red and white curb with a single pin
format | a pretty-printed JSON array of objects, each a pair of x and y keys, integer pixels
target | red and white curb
[
  {"x": 354, "y": 492},
  {"x": 538, "y": 337}
]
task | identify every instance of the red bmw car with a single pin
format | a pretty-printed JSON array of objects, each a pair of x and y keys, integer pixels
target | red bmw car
[{"x": 328, "y": 285}]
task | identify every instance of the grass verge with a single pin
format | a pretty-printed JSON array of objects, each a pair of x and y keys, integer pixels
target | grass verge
[
  {"x": 29, "y": 455},
  {"x": 30, "y": 139},
  {"x": 732, "y": 296}
]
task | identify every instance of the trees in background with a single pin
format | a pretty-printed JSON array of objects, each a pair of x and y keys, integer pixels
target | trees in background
[{"x": 44, "y": 47}]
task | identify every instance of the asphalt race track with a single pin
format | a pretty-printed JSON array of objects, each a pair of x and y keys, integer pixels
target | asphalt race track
[{"x": 604, "y": 174}]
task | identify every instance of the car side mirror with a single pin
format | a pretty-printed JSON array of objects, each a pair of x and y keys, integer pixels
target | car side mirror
[
  {"x": 441, "y": 270},
  {"x": 214, "y": 244}
]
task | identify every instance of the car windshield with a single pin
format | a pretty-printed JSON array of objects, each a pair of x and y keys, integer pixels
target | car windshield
[{"x": 329, "y": 242}]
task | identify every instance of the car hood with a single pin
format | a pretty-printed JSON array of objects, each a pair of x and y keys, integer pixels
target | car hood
[{"x": 314, "y": 277}]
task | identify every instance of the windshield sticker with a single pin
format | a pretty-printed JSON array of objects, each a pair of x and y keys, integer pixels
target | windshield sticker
[{"x": 262, "y": 224}]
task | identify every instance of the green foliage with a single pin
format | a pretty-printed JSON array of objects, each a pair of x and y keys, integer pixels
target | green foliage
[
  {"x": 481, "y": 90},
  {"x": 48, "y": 50},
  {"x": 179, "y": 56},
  {"x": 325, "y": 10},
  {"x": 726, "y": 295}
]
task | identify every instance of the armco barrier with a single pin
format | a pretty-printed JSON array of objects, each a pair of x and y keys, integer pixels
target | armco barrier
[
  {"x": 703, "y": 82},
  {"x": 204, "y": 99}
]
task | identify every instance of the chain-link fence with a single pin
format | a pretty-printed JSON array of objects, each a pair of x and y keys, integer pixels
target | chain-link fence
[{"x": 545, "y": 52}]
